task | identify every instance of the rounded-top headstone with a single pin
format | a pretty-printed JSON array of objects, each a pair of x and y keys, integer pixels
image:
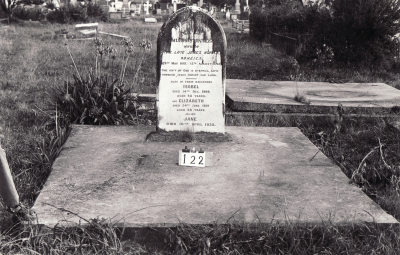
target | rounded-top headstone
[{"x": 191, "y": 57}]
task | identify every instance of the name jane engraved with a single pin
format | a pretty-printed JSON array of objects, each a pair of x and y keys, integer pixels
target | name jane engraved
[{"x": 190, "y": 119}]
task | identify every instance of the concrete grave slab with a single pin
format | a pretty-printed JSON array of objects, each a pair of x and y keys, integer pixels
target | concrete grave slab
[
  {"x": 150, "y": 20},
  {"x": 265, "y": 175},
  {"x": 278, "y": 96}
]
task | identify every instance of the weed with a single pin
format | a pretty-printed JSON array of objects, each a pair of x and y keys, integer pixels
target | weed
[{"x": 301, "y": 99}]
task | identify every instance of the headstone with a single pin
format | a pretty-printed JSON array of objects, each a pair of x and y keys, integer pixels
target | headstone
[
  {"x": 125, "y": 13},
  {"x": 105, "y": 8},
  {"x": 138, "y": 9},
  {"x": 175, "y": 6},
  {"x": 245, "y": 15},
  {"x": 118, "y": 5},
  {"x": 228, "y": 15},
  {"x": 115, "y": 15},
  {"x": 201, "y": 3},
  {"x": 146, "y": 7},
  {"x": 159, "y": 11},
  {"x": 112, "y": 7},
  {"x": 125, "y": 5},
  {"x": 237, "y": 7},
  {"x": 191, "y": 55}
]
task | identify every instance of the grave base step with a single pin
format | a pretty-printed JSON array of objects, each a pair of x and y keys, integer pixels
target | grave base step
[{"x": 270, "y": 119}]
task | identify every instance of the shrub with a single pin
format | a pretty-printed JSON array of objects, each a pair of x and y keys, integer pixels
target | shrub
[
  {"x": 348, "y": 32},
  {"x": 359, "y": 32},
  {"x": 258, "y": 24},
  {"x": 97, "y": 99},
  {"x": 50, "y": 5},
  {"x": 288, "y": 17},
  {"x": 60, "y": 15},
  {"x": 93, "y": 100},
  {"x": 77, "y": 13},
  {"x": 94, "y": 11},
  {"x": 28, "y": 14}
]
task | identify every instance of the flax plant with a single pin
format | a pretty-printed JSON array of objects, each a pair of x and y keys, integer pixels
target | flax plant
[{"x": 97, "y": 99}]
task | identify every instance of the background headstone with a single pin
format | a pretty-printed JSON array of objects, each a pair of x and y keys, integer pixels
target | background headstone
[
  {"x": 125, "y": 5},
  {"x": 115, "y": 15},
  {"x": 191, "y": 56},
  {"x": 147, "y": 7},
  {"x": 138, "y": 8},
  {"x": 237, "y": 7}
]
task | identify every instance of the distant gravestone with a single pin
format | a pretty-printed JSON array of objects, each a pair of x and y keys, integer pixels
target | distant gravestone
[
  {"x": 115, "y": 15},
  {"x": 125, "y": 5},
  {"x": 147, "y": 7},
  {"x": 138, "y": 9},
  {"x": 191, "y": 55},
  {"x": 237, "y": 7}
]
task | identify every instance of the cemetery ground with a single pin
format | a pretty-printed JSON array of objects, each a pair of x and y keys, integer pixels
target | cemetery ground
[{"x": 33, "y": 60}]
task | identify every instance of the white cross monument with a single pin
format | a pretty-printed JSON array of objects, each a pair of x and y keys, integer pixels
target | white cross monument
[{"x": 147, "y": 6}]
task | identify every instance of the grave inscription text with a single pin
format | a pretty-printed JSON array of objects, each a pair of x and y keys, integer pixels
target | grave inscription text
[{"x": 191, "y": 91}]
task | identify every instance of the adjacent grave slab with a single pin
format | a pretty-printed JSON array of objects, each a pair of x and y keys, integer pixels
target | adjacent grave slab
[
  {"x": 278, "y": 96},
  {"x": 150, "y": 20},
  {"x": 265, "y": 175}
]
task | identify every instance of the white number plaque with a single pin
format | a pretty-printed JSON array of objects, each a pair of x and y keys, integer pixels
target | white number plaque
[{"x": 199, "y": 159}]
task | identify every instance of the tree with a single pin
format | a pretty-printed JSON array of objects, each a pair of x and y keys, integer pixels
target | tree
[
  {"x": 8, "y": 5},
  {"x": 360, "y": 32}
]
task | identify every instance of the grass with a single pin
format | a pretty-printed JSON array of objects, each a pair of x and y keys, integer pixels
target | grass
[{"x": 31, "y": 63}]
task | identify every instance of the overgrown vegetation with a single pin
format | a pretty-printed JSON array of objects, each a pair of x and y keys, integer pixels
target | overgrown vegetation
[
  {"x": 80, "y": 13},
  {"x": 348, "y": 33},
  {"x": 366, "y": 150},
  {"x": 99, "y": 98},
  {"x": 89, "y": 12}
]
